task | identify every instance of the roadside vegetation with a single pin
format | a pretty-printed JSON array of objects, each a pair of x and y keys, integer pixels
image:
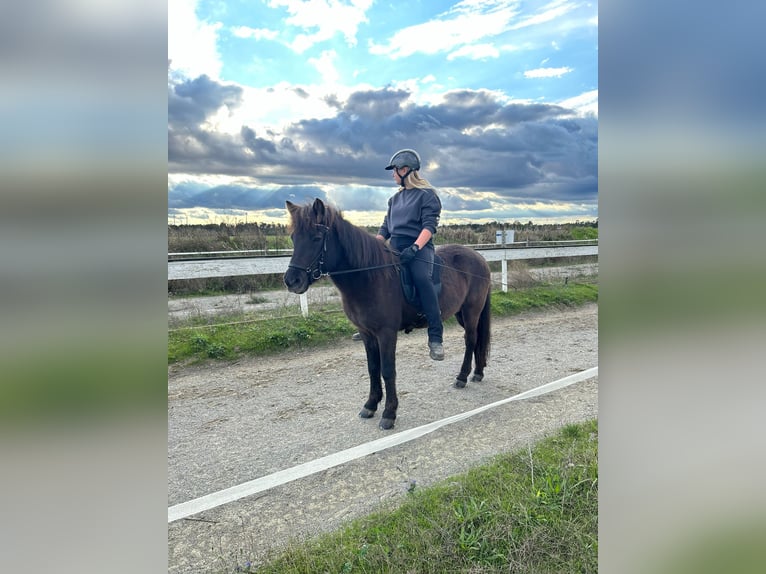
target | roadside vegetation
[
  {"x": 531, "y": 511},
  {"x": 225, "y": 236},
  {"x": 235, "y": 336}
]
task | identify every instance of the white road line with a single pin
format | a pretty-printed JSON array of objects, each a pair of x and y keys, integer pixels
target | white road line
[{"x": 197, "y": 505}]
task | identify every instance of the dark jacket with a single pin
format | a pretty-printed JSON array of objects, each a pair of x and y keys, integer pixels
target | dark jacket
[{"x": 410, "y": 211}]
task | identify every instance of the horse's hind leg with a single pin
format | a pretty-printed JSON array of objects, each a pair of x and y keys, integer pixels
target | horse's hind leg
[
  {"x": 478, "y": 371},
  {"x": 472, "y": 352},
  {"x": 373, "y": 368},
  {"x": 483, "y": 336},
  {"x": 465, "y": 368}
]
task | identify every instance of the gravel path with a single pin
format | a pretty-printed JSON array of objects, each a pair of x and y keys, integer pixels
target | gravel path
[{"x": 231, "y": 423}]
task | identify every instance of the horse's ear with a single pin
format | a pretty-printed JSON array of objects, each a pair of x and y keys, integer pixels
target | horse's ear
[
  {"x": 319, "y": 210},
  {"x": 291, "y": 207}
]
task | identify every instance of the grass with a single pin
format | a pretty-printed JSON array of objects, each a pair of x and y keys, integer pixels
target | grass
[
  {"x": 232, "y": 338},
  {"x": 542, "y": 297},
  {"x": 531, "y": 511},
  {"x": 257, "y": 338}
]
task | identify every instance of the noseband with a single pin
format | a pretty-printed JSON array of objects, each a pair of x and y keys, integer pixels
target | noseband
[{"x": 314, "y": 270}]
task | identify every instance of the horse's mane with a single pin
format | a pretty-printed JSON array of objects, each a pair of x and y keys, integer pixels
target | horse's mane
[{"x": 362, "y": 249}]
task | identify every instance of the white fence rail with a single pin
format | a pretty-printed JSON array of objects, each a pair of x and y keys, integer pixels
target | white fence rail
[{"x": 262, "y": 265}]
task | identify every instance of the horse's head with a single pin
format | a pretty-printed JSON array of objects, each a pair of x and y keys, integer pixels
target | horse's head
[{"x": 309, "y": 231}]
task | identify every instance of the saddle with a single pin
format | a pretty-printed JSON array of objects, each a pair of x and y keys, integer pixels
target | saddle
[{"x": 411, "y": 293}]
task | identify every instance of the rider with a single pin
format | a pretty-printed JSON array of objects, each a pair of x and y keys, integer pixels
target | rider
[{"x": 410, "y": 222}]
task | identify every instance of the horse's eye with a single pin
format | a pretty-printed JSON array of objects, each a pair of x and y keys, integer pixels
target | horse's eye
[{"x": 317, "y": 238}]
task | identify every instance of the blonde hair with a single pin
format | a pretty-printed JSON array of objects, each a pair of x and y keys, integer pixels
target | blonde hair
[{"x": 415, "y": 180}]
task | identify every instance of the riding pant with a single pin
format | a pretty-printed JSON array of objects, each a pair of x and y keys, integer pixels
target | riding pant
[{"x": 421, "y": 270}]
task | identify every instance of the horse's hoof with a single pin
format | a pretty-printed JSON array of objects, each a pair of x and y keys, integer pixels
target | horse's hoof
[
  {"x": 386, "y": 424},
  {"x": 477, "y": 378},
  {"x": 366, "y": 413},
  {"x": 460, "y": 383}
]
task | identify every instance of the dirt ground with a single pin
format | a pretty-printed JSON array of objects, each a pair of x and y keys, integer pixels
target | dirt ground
[{"x": 231, "y": 423}]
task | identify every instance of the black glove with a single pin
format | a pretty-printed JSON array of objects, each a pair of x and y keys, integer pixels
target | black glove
[{"x": 407, "y": 255}]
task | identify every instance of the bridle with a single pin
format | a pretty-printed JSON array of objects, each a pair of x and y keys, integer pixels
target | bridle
[{"x": 314, "y": 270}]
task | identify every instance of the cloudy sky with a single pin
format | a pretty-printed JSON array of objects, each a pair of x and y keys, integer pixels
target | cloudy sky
[{"x": 271, "y": 100}]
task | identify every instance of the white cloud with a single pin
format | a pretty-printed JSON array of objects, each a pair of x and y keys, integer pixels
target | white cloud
[
  {"x": 422, "y": 91},
  {"x": 326, "y": 17},
  {"x": 191, "y": 42},
  {"x": 268, "y": 110},
  {"x": 469, "y": 22},
  {"x": 256, "y": 33},
  {"x": 547, "y": 72},
  {"x": 325, "y": 65},
  {"x": 475, "y": 52},
  {"x": 211, "y": 180},
  {"x": 549, "y": 12},
  {"x": 584, "y": 104}
]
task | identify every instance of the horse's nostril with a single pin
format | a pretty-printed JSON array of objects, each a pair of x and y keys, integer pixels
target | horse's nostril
[{"x": 291, "y": 279}]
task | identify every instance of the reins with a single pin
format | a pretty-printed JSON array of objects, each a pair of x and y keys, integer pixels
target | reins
[
  {"x": 332, "y": 273},
  {"x": 319, "y": 261}
]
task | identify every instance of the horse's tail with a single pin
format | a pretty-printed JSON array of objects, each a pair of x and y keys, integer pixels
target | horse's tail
[{"x": 481, "y": 351}]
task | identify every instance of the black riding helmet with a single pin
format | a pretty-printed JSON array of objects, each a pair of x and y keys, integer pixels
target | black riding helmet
[{"x": 405, "y": 157}]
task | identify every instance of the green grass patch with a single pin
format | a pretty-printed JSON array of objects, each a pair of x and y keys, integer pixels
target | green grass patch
[
  {"x": 580, "y": 233},
  {"x": 261, "y": 337},
  {"x": 233, "y": 337},
  {"x": 542, "y": 297},
  {"x": 531, "y": 511}
]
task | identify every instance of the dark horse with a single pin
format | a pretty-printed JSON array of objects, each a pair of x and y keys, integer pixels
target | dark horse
[{"x": 366, "y": 273}]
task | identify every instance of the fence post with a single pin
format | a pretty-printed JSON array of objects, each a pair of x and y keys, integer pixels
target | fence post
[
  {"x": 504, "y": 266},
  {"x": 304, "y": 304}
]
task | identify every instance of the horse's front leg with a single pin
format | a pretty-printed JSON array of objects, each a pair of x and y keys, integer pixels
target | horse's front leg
[
  {"x": 387, "y": 344},
  {"x": 373, "y": 368}
]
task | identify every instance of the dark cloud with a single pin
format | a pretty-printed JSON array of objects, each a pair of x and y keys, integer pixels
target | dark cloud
[
  {"x": 191, "y": 101},
  {"x": 188, "y": 195},
  {"x": 333, "y": 101},
  {"x": 259, "y": 146},
  {"x": 300, "y": 92},
  {"x": 453, "y": 202},
  {"x": 367, "y": 199},
  {"x": 375, "y": 105},
  {"x": 481, "y": 144}
]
